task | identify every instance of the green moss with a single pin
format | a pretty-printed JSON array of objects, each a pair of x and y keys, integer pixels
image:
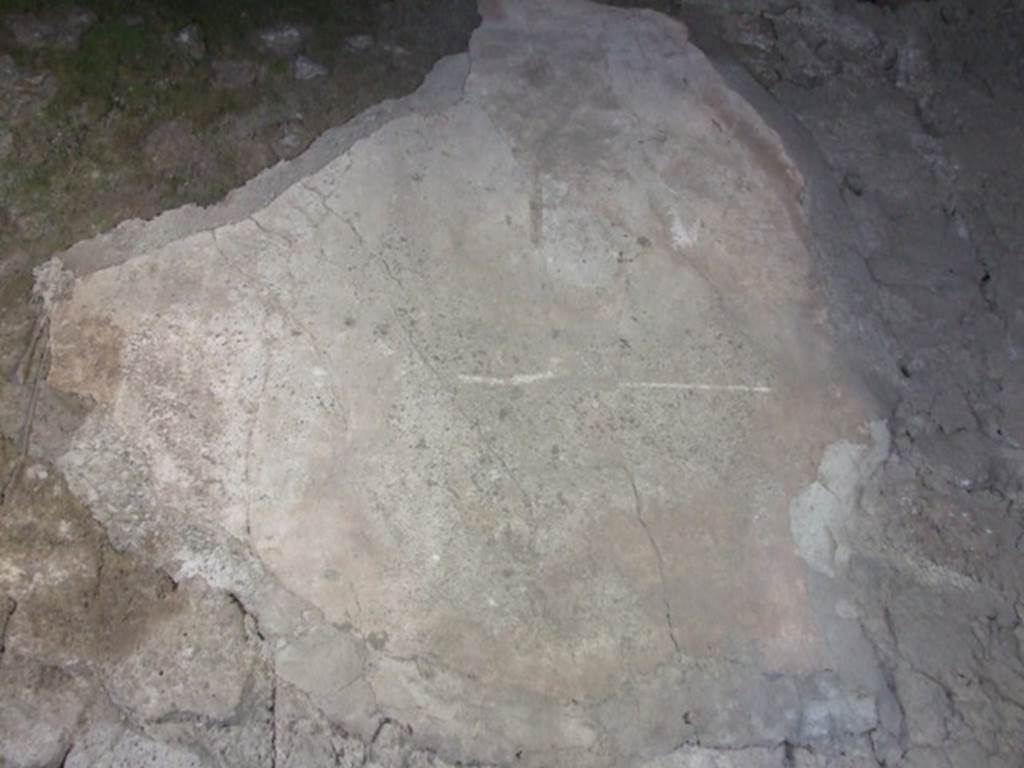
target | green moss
[
  {"x": 35, "y": 186},
  {"x": 114, "y": 59},
  {"x": 16, "y": 288},
  {"x": 79, "y": 163}
]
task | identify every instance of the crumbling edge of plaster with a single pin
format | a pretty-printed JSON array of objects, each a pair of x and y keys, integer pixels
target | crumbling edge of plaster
[
  {"x": 837, "y": 266},
  {"x": 440, "y": 89}
]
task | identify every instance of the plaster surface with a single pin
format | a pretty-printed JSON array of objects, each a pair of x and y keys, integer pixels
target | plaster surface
[{"x": 501, "y": 409}]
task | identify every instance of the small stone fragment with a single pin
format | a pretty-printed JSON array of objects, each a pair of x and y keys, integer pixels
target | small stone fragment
[
  {"x": 283, "y": 40},
  {"x": 305, "y": 68},
  {"x": 58, "y": 31},
  {"x": 234, "y": 73},
  {"x": 190, "y": 41},
  {"x": 197, "y": 661},
  {"x": 38, "y": 712},
  {"x": 358, "y": 42}
]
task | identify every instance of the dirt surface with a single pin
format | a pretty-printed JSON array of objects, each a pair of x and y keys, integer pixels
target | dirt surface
[{"x": 905, "y": 121}]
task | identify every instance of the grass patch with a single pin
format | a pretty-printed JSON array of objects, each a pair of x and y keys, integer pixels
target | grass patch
[
  {"x": 114, "y": 59},
  {"x": 16, "y": 287},
  {"x": 79, "y": 164}
]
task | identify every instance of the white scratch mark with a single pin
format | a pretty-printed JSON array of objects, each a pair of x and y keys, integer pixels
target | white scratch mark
[
  {"x": 689, "y": 387},
  {"x": 506, "y": 381},
  {"x": 532, "y": 378}
]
